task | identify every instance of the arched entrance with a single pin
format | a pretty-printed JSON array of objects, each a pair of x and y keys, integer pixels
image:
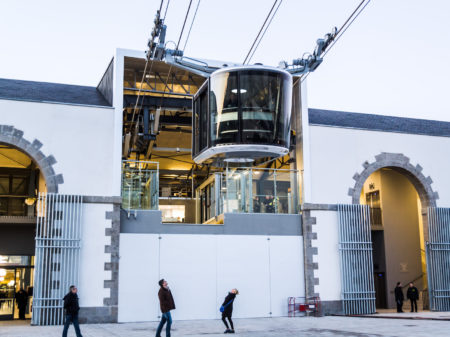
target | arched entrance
[
  {"x": 24, "y": 173},
  {"x": 398, "y": 195}
]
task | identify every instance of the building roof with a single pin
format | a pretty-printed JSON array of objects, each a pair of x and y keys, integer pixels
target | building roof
[
  {"x": 50, "y": 92},
  {"x": 372, "y": 122}
]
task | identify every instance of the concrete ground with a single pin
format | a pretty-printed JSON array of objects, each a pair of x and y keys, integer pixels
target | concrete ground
[{"x": 259, "y": 327}]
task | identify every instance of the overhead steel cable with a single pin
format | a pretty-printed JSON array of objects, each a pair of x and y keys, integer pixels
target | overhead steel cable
[
  {"x": 359, "y": 9},
  {"x": 192, "y": 23},
  {"x": 184, "y": 24},
  {"x": 265, "y": 30},
  {"x": 260, "y": 31}
]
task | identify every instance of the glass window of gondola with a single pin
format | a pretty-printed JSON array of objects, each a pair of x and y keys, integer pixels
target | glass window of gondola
[
  {"x": 224, "y": 109},
  {"x": 263, "y": 97}
]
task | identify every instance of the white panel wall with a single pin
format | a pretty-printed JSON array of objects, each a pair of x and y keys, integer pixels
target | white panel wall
[
  {"x": 327, "y": 242},
  {"x": 188, "y": 263},
  {"x": 201, "y": 269},
  {"x": 80, "y": 138},
  {"x": 243, "y": 263},
  {"x": 138, "y": 278},
  {"x": 338, "y": 153},
  {"x": 287, "y": 271},
  {"x": 92, "y": 255}
]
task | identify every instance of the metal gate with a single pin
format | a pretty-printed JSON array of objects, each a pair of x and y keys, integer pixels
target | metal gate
[
  {"x": 57, "y": 258},
  {"x": 355, "y": 248},
  {"x": 438, "y": 258}
]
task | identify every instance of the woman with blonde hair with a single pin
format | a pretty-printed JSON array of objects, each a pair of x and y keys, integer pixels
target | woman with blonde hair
[{"x": 227, "y": 310}]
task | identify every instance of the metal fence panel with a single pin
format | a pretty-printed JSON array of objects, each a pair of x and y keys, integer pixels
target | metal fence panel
[
  {"x": 438, "y": 258},
  {"x": 355, "y": 247},
  {"x": 57, "y": 260}
]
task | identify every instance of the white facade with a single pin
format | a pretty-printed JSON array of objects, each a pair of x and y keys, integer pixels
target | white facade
[{"x": 201, "y": 269}]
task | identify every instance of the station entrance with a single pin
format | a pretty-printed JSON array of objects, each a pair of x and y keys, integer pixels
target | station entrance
[
  {"x": 20, "y": 183},
  {"x": 397, "y": 233}
]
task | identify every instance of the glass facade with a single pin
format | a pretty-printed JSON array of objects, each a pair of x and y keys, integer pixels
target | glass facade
[
  {"x": 140, "y": 185},
  {"x": 250, "y": 191},
  {"x": 244, "y": 106}
]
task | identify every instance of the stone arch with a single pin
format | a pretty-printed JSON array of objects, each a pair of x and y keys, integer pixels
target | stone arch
[
  {"x": 400, "y": 163},
  {"x": 14, "y": 137}
]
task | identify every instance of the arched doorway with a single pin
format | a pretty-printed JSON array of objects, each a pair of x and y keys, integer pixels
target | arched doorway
[
  {"x": 398, "y": 195},
  {"x": 20, "y": 182},
  {"x": 24, "y": 173}
]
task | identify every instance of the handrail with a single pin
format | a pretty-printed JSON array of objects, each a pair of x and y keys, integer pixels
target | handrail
[{"x": 417, "y": 278}]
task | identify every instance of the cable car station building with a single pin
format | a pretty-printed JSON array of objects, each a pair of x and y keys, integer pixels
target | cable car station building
[{"x": 213, "y": 180}]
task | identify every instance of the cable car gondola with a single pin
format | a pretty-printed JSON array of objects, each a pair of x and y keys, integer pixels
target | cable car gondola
[{"x": 241, "y": 115}]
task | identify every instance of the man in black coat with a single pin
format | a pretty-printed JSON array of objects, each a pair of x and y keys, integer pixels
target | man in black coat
[
  {"x": 166, "y": 303},
  {"x": 71, "y": 308},
  {"x": 399, "y": 297},
  {"x": 228, "y": 310},
  {"x": 21, "y": 300},
  {"x": 413, "y": 295}
]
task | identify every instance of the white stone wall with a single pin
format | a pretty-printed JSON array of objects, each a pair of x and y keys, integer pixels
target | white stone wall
[
  {"x": 80, "y": 138},
  {"x": 338, "y": 153}
]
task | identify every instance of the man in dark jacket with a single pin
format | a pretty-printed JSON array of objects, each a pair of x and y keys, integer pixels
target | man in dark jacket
[
  {"x": 227, "y": 312},
  {"x": 399, "y": 297},
  {"x": 71, "y": 308},
  {"x": 413, "y": 295},
  {"x": 21, "y": 300},
  {"x": 166, "y": 303}
]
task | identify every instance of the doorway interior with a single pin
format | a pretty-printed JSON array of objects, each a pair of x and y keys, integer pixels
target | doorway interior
[
  {"x": 397, "y": 235},
  {"x": 16, "y": 273}
]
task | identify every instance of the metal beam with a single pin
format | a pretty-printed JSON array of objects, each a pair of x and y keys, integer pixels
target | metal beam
[{"x": 155, "y": 102}]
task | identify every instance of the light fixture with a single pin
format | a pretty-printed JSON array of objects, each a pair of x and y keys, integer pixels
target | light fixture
[
  {"x": 30, "y": 201},
  {"x": 242, "y": 91},
  {"x": 2, "y": 278},
  {"x": 150, "y": 76},
  {"x": 2, "y": 272}
]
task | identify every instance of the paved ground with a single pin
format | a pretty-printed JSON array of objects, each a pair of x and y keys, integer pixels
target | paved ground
[{"x": 261, "y": 327}]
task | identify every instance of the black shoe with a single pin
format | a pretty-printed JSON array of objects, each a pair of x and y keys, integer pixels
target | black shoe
[
  {"x": 227, "y": 331},
  {"x": 231, "y": 331}
]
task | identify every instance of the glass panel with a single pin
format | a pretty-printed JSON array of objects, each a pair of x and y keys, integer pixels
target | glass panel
[
  {"x": 7, "y": 291},
  {"x": 3, "y": 206},
  {"x": 4, "y": 185},
  {"x": 259, "y": 191},
  {"x": 140, "y": 185},
  {"x": 19, "y": 186},
  {"x": 203, "y": 120},
  {"x": 262, "y": 105},
  {"x": 173, "y": 213},
  {"x": 17, "y": 207},
  {"x": 224, "y": 109}
]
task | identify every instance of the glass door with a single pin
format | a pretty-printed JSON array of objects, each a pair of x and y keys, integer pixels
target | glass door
[{"x": 7, "y": 293}]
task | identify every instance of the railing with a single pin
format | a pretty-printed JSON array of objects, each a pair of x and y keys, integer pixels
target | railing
[
  {"x": 259, "y": 191},
  {"x": 248, "y": 191},
  {"x": 140, "y": 185}
]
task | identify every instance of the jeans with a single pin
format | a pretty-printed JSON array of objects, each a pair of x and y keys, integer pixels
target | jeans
[
  {"x": 166, "y": 317},
  {"x": 71, "y": 319},
  {"x": 413, "y": 305},
  {"x": 399, "y": 306}
]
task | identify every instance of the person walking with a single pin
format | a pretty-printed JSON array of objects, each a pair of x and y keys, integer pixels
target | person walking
[
  {"x": 413, "y": 295},
  {"x": 21, "y": 300},
  {"x": 227, "y": 310},
  {"x": 166, "y": 303},
  {"x": 399, "y": 297},
  {"x": 71, "y": 308}
]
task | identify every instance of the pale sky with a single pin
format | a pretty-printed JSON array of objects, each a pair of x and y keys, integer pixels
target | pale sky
[{"x": 394, "y": 59}]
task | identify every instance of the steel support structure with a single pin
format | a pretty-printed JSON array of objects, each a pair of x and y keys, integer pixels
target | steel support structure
[
  {"x": 57, "y": 261},
  {"x": 355, "y": 248},
  {"x": 438, "y": 258}
]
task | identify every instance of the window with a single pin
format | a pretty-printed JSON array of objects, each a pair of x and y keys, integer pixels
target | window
[{"x": 224, "y": 109}]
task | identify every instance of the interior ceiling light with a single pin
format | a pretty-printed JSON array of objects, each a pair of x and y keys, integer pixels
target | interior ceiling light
[
  {"x": 30, "y": 201},
  {"x": 234, "y": 91}
]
